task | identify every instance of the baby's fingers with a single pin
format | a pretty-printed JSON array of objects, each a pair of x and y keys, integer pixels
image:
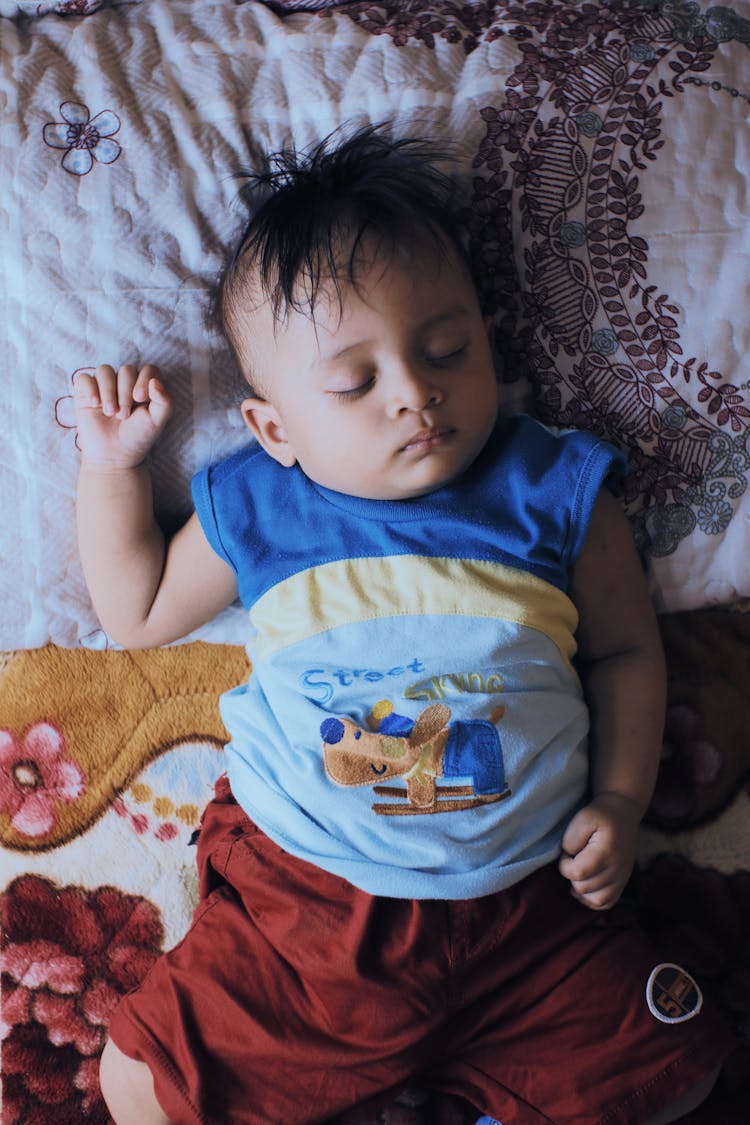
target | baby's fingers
[
  {"x": 148, "y": 416},
  {"x": 112, "y": 392},
  {"x": 148, "y": 372},
  {"x": 106, "y": 382},
  {"x": 127, "y": 378},
  {"x": 97, "y": 389},
  {"x": 85, "y": 390},
  {"x": 600, "y": 892},
  {"x": 581, "y": 868},
  {"x": 604, "y": 898},
  {"x": 593, "y": 883},
  {"x": 159, "y": 401}
]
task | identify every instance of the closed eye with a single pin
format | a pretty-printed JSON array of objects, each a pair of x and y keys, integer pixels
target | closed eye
[
  {"x": 353, "y": 392},
  {"x": 445, "y": 359}
]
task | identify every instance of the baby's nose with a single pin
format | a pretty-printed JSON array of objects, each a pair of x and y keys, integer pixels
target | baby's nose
[{"x": 414, "y": 390}]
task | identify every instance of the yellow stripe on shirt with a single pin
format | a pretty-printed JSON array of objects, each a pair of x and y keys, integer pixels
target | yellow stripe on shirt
[{"x": 363, "y": 589}]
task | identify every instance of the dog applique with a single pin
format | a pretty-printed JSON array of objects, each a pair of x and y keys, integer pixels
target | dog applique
[{"x": 434, "y": 748}]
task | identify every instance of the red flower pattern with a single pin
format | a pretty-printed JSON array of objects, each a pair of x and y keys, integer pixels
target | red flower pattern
[{"x": 68, "y": 955}]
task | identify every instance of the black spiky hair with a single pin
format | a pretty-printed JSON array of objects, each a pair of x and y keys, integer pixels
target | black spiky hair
[{"x": 311, "y": 210}]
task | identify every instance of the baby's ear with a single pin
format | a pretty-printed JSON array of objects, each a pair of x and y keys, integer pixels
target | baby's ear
[{"x": 263, "y": 420}]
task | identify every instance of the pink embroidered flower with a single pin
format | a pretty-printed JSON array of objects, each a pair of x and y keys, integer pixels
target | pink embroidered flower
[
  {"x": 35, "y": 778},
  {"x": 83, "y": 137}
]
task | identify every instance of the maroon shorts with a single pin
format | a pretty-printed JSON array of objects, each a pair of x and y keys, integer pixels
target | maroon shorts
[{"x": 295, "y": 996}]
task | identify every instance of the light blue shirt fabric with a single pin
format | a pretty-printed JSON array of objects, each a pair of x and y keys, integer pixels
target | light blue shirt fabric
[{"x": 413, "y": 722}]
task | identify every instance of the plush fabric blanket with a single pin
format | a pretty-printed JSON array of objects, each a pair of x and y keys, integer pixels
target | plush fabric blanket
[
  {"x": 601, "y": 149},
  {"x": 107, "y": 758}
]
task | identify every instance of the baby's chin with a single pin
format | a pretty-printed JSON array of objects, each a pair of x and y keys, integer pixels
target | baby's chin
[
  {"x": 376, "y": 493},
  {"x": 400, "y": 493},
  {"x": 408, "y": 479}
]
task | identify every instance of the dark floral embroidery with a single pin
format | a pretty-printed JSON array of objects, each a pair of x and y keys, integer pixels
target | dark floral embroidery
[
  {"x": 76, "y": 7},
  {"x": 562, "y": 157},
  {"x": 719, "y": 23},
  {"x": 405, "y": 20},
  {"x": 470, "y": 23},
  {"x": 68, "y": 8},
  {"x": 83, "y": 137}
]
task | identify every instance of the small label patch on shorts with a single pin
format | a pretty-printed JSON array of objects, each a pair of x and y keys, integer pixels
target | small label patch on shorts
[{"x": 672, "y": 994}]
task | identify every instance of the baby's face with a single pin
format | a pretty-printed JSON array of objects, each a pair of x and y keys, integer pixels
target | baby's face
[{"x": 389, "y": 396}]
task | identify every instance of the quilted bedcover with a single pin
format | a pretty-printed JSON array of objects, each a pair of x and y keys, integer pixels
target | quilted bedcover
[{"x": 604, "y": 156}]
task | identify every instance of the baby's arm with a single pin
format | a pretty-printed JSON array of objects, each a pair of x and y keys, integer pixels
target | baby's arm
[
  {"x": 146, "y": 592},
  {"x": 622, "y": 667}
]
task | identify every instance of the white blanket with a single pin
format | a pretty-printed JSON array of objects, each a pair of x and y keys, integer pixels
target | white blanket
[{"x": 611, "y": 144}]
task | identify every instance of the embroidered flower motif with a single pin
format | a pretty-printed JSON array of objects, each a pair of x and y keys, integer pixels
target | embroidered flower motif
[
  {"x": 674, "y": 418},
  {"x": 83, "y": 137},
  {"x": 76, "y": 7},
  {"x": 35, "y": 778},
  {"x": 641, "y": 52},
  {"x": 66, "y": 7},
  {"x": 69, "y": 954},
  {"x": 666, "y": 525},
  {"x": 724, "y": 24},
  {"x": 605, "y": 341},
  {"x": 589, "y": 123},
  {"x": 686, "y": 19},
  {"x": 714, "y": 516},
  {"x": 573, "y": 234},
  {"x": 506, "y": 127}
]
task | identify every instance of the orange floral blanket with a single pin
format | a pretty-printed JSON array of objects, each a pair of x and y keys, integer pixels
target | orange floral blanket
[{"x": 106, "y": 759}]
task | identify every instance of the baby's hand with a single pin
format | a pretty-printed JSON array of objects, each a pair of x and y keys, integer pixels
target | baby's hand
[
  {"x": 120, "y": 415},
  {"x": 599, "y": 850}
]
